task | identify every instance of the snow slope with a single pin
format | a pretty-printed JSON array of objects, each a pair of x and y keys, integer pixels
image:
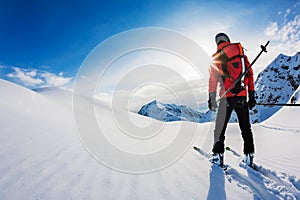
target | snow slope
[
  {"x": 42, "y": 157},
  {"x": 289, "y": 113}
]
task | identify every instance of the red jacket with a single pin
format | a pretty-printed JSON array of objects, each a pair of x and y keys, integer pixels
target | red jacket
[{"x": 215, "y": 71}]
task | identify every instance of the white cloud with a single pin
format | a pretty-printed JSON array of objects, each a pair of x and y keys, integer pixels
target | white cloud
[
  {"x": 35, "y": 78},
  {"x": 55, "y": 80},
  {"x": 286, "y": 37},
  {"x": 27, "y": 77},
  {"x": 272, "y": 29}
]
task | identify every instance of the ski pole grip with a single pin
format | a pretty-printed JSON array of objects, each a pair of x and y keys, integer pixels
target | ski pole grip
[{"x": 264, "y": 48}]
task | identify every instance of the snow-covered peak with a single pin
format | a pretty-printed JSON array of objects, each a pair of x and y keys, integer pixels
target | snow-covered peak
[
  {"x": 276, "y": 84},
  {"x": 173, "y": 112},
  {"x": 283, "y": 72},
  {"x": 281, "y": 58}
]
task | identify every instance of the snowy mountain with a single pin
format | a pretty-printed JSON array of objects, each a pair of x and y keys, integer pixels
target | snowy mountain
[
  {"x": 173, "y": 112},
  {"x": 276, "y": 84},
  {"x": 42, "y": 156}
]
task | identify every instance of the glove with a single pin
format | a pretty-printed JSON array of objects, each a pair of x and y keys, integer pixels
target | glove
[
  {"x": 212, "y": 103},
  {"x": 251, "y": 101}
]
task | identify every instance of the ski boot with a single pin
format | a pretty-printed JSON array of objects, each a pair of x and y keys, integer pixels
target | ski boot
[
  {"x": 217, "y": 158},
  {"x": 248, "y": 159}
]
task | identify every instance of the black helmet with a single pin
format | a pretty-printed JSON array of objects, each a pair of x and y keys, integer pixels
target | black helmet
[{"x": 221, "y": 37}]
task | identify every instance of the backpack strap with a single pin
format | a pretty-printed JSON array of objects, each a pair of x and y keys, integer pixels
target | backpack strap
[
  {"x": 222, "y": 53},
  {"x": 241, "y": 50}
]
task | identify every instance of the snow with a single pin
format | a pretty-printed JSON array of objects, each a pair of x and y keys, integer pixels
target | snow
[
  {"x": 292, "y": 124},
  {"x": 42, "y": 156}
]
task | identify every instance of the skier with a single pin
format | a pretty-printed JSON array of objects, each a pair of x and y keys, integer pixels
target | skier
[
  {"x": 293, "y": 100},
  {"x": 227, "y": 64}
]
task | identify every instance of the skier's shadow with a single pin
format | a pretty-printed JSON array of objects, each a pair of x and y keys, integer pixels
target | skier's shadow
[{"x": 217, "y": 184}]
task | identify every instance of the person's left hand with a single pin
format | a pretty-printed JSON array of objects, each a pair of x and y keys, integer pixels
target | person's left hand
[{"x": 251, "y": 101}]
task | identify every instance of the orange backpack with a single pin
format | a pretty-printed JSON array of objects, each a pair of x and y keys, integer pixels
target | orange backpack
[{"x": 233, "y": 65}]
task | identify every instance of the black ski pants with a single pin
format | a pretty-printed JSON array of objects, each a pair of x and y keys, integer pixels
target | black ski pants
[{"x": 226, "y": 106}]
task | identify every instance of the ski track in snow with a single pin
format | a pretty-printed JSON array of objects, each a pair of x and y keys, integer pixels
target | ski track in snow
[
  {"x": 294, "y": 130},
  {"x": 285, "y": 182},
  {"x": 247, "y": 183},
  {"x": 264, "y": 183},
  {"x": 281, "y": 180}
]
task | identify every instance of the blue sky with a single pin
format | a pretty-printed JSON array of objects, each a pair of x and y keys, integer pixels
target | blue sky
[{"x": 43, "y": 43}]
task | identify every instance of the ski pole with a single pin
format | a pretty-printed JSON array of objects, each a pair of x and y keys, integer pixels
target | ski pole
[
  {"x": 263, "y": 49},
  {"x": 277, "y": 104}
]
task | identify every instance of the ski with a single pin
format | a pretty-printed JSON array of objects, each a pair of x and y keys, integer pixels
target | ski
[
  {"x": 243, "y": 164},
  {"x": 209, "y": 156}
]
